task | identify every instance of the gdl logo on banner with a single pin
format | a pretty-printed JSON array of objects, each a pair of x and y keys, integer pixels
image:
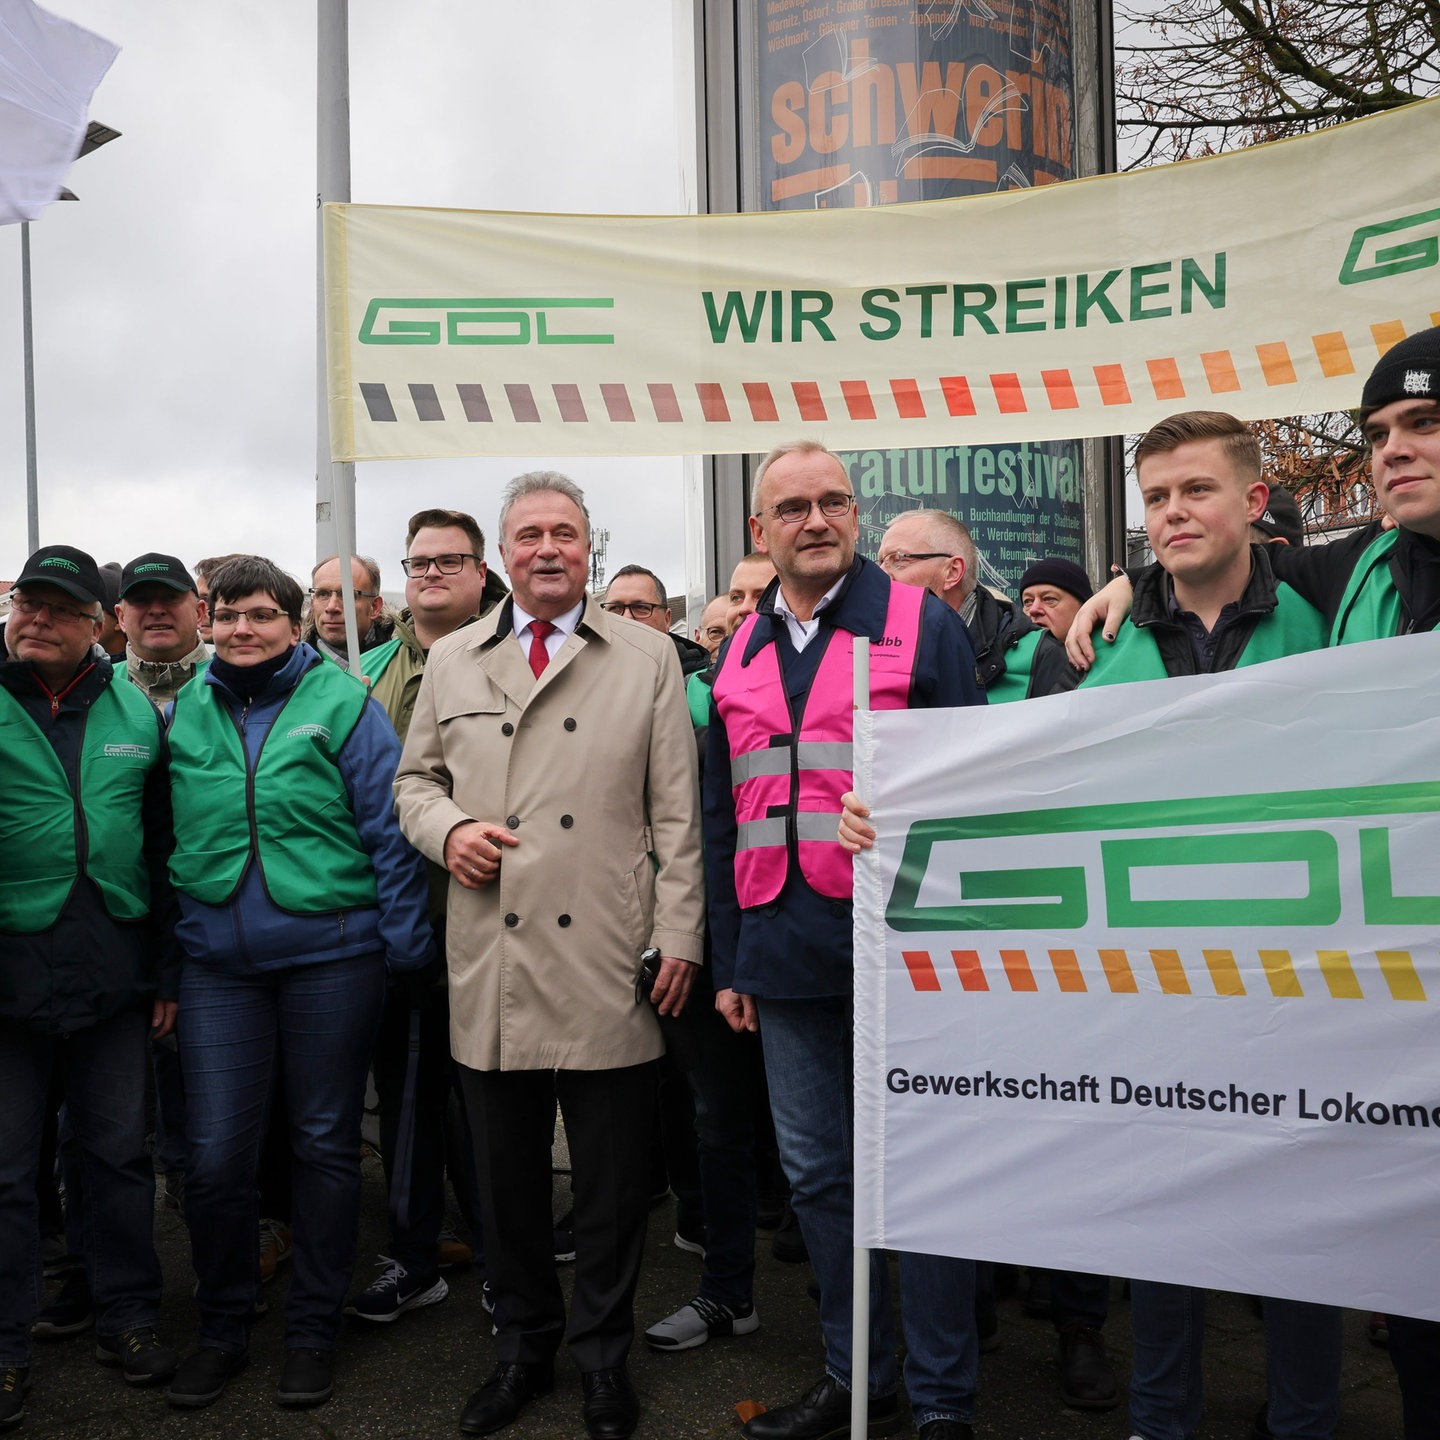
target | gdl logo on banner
[
  {"x": 1295, "y": 859},
  {"x": 507, "y": 320}
]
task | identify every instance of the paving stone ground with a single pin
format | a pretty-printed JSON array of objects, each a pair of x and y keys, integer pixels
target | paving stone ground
[{"x": 413, "y": 1377}]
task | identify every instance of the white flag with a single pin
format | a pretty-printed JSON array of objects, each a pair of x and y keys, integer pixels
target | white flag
[{"x": 49, "y": 69}]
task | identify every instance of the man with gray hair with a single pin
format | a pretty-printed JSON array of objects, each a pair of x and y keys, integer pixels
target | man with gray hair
[
  {"x": 1013, "y": 659},
  {"x": 514, "y": 751}
]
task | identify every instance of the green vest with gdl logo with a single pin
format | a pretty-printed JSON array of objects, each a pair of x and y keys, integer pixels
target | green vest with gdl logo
[
  {"x": 52, "y": 836},
  {"x": 292, "y": 812}
]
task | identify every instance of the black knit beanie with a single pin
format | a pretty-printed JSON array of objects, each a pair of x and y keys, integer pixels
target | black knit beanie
[
  {"x": 1064, "y": 574},
  {"x": 1407, "y": 371}
]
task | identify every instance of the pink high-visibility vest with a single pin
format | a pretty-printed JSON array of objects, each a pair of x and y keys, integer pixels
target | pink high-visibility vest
[{"x": 788, "y": 778}]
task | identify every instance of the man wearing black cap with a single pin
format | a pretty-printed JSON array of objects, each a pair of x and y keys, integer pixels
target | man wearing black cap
[
  {"x": 1379, "y": 583},
  {"x": 1280, "y": 523},
  {"x": 161, "y": 612},
  {"x": 1375, "y": 584},
  {"x": 1051, "y": 591},
  {"x": 84, "y": 911}
]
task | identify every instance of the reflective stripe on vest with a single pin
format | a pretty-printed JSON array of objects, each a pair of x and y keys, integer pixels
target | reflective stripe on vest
[
  {"x": 1370, "y": 608},
  {"x": 1291, "y": 628},
  {"x": 292, "y": 813},
  {"x": 119, "y": 747},
  {"x": 788, "y": 778}
]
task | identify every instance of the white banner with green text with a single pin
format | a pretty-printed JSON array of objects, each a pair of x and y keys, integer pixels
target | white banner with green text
[
  {"x": 1148, "y": 980},
  {"x": 1265, "y": 282}
]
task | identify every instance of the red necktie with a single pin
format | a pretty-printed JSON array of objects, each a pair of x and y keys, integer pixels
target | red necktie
[{"x": 539, "y": 655}]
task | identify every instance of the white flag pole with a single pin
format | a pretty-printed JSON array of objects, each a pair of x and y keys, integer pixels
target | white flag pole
[{"x": 860, "y": 1280}]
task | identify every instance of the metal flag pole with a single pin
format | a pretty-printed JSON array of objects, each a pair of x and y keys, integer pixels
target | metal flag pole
[
  {"x": 334, "y": 482},
  {"x": 860, "y": 1278},
  {"x": 32, "y": 486}
]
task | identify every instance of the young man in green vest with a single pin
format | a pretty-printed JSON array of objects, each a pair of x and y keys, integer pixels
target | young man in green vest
[
  {"x": 1384, "y": 579},
  {"x": 1209, "y": 603},
  {"x": 1380, "y": 582},
  {"x": 90, "y": 962}
]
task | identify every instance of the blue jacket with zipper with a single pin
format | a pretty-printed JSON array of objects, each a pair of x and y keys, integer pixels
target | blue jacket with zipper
[{"x": 250, "y": 933}]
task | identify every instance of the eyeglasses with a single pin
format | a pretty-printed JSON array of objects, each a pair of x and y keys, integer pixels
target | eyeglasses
[
  {"x": 60, "y": 614},
  {"x": 715, "y": 632},
  {"x": 256, "y": 615},
  {"x": 324, "y": 597},
  {"x": 639, "y": 609},
  {"x": 901, "y": 558},
  {"x": 796, "y": 512},
  {"x": 445, "y": 564}
]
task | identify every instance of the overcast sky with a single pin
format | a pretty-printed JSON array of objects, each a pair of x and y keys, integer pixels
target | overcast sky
[{"x": 175, "y": 304}]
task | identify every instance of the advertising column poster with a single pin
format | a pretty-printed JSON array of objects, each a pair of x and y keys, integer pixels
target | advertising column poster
[{"x": 873, "y": 102}]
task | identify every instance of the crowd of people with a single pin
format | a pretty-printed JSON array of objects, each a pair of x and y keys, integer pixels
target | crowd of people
[{"x": 543, "y": 854}]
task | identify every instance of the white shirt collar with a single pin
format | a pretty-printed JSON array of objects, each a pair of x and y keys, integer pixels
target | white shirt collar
[
  {"x": 802, "y": 632},
  {"x": 563, "y": 624}
]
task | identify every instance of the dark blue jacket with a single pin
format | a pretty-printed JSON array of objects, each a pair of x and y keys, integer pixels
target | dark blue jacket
[
  {"x": 249, "y": 933},
  {"x": 800, "y": 947}
]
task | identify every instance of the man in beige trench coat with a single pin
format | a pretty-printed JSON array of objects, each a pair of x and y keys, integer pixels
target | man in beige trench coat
[{"x": 550, "y": 767}]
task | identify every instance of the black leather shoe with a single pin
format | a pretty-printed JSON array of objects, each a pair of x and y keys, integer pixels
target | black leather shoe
[
  {"x": 1087, "y": 1381},
  {"x": 823, "y": 1413},
  {"x": 611, "y": 1407},
  {"x": 307, "y": 1379},
  {"x": 203, "y": 1376},
  {"x": 510, "y": 1388},
  {"x": 946, "y": 1430}
]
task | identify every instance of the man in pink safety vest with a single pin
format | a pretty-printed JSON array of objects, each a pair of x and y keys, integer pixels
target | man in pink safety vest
[{"x": 778, "y": 758}]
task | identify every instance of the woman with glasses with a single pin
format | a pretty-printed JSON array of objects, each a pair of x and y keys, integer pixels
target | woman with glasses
[{"x": 297, "y": 894}]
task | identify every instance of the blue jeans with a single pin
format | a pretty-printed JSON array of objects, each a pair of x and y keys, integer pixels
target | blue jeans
[
  {"x": 319, "y": 1022},
  {"x": 808, "y": 1061},
  {"x": 102, "y": 1070},
  {"x": 1302, "y": 1362},
  {"x": 1079, "y": 1298}
]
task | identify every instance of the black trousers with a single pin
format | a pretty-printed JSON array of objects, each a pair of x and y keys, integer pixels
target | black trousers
[
  {"x": 1415, "y": 1351},
  {"x": 608, "y": 1120},
  {"x": 417, "y": 1201}
]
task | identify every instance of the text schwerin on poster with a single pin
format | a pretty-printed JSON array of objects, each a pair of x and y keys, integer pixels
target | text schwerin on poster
[{"x": 1148, "y": 980}]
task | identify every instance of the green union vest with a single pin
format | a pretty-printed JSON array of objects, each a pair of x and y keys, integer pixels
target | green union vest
[
  {"x": 1293, "y": 627},
  {"x": 292, "y": 813},
  {"x": 1370, "y": 608},
  {"x": 46, "y": 851},
  {"x": 1014, "y": 684}
]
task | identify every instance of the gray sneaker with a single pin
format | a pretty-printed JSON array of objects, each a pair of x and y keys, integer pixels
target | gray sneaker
[{"x": 699, "y": 1321}]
